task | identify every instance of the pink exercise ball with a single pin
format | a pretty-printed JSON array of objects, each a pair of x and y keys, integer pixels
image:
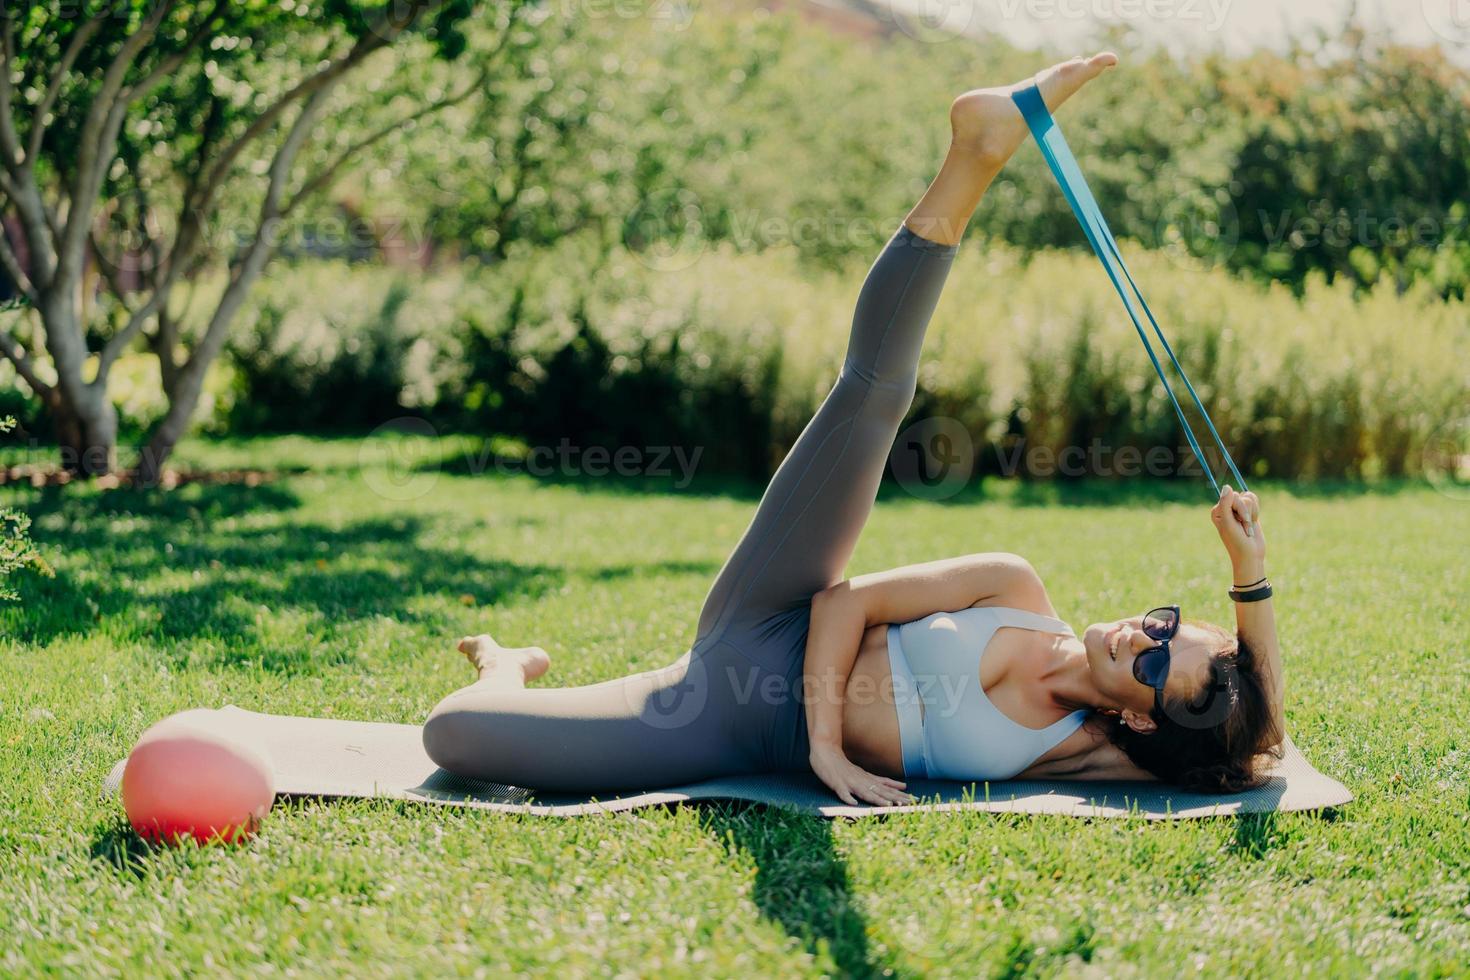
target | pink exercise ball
[{"x": 183, "y": 780}]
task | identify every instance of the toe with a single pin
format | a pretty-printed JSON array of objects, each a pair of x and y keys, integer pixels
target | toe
[{"x": 1062, "y": 81}]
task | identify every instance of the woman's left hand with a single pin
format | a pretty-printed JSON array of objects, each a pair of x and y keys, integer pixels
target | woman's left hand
[{"x": 1237, "y": 518}]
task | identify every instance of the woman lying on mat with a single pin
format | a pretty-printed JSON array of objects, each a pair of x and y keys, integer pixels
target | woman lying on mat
[{"x": 956, "y": 669}]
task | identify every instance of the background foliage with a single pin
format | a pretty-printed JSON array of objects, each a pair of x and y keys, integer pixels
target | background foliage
[{"x": 650, "y": 230}]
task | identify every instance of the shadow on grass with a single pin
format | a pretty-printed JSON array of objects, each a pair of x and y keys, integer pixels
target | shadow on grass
[
  {"x": 1255, "y": 835},
  {"x": 662, "y": 474},
  {"x": 1258, "y": 834},
  {"x": 174, "y": 566},
  {"x": 1139, "y": 493},
  {"x": 485, "y": 463},
  {"x": 169, "y": 566},
  {"x": 115, "y": 843},
  {"x": 801, "y": 882}
]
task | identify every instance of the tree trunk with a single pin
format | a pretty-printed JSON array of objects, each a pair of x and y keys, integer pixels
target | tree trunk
[
  {"x": 87, "y": 433},
  {"x": 86, "y": 421},
  {"x": 184, "y": 392},
  {"x": 159, "y": 448}
]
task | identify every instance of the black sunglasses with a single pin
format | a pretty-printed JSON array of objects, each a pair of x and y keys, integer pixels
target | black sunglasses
[{"x": 1151, "y": 667}]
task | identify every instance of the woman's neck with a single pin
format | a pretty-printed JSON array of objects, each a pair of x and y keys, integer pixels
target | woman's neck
[{"x": 1068, "y": 679}]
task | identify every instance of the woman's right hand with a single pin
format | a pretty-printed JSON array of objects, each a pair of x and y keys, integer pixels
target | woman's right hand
[{"x": 854, "y": 784}]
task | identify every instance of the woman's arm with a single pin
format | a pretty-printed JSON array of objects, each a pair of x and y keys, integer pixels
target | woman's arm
[
  {"x": 1237, "y": 518},
  {"x": 840, "y": 615}
]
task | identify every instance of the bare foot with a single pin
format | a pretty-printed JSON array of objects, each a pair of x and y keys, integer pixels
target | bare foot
[
  {"x": 988, "y": 124},
  {"x": 486, "y": 655}
]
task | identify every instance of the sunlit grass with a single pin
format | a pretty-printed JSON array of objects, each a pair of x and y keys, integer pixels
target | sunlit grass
[{"x": 316, "y": 595}]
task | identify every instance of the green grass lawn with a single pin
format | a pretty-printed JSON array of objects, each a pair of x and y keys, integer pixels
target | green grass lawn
[{"x": 314, "y": 594}]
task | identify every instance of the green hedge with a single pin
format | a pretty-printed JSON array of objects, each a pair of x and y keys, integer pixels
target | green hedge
[{"x": 733, "y": 351}]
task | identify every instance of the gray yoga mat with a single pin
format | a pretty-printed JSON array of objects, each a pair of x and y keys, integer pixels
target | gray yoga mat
[{"x": 324, "y": 757}]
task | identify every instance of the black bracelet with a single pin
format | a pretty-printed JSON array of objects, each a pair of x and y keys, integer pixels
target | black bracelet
[
  {"x": 1252, "y": 585},
  {"x": 1254, "y": 595}
]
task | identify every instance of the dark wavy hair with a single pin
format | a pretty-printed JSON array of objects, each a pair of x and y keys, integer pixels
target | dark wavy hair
[{"x": 1226, "y": 756}]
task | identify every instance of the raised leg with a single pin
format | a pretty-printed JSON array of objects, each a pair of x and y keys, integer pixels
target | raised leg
[{"x": 810, "y": 516}]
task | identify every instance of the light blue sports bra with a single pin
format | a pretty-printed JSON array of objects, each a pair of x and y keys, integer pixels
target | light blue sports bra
[{"x": 947, "y": 726}]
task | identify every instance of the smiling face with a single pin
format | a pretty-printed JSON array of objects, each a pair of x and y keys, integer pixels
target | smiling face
[{"x": 1113, "y": 647}]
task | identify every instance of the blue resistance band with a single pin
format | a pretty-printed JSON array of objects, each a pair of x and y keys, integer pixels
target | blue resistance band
[{"x": 1074, "y": 187}]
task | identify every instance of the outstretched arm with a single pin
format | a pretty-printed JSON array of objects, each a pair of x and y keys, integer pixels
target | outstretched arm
[
  {"x": 1237, "y": 518},
  {"x": 841, "y": 614}
]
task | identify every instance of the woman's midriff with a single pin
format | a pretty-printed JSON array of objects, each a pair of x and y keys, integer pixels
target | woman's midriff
[{"x": 869, "y": 719}]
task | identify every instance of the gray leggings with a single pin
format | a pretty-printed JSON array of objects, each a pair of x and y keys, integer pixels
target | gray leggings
[{"x": 732, "y": 704}]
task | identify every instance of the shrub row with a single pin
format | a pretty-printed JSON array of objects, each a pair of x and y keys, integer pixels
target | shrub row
[{"x": 732, "y": 351}]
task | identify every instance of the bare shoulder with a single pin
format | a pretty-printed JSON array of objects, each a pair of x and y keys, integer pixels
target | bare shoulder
[
  {"x": 1086, "y": 754},
  {"x": 1023, "y": 589}
]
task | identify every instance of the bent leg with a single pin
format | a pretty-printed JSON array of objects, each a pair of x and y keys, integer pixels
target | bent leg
[{"x": 658, "y": 728}]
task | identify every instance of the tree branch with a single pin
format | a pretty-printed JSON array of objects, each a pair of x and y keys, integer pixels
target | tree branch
[
  {"x": 328, "y": 175},
  {"x": 202, "y": 189},
  {"x": 189, "y": 378},
  {"x": 249, "y": 265},
  {"x": 200, "y": 193},
  {"x": 39, "y": 124},
  {"x": 24, "y": 365},
  {"x": 114, "y": 348},
  {"x": 109, "y": 274},
  {"x": 170, "y": 63},
  {"x": 11, "y": 262},
  {"x": 104, "y": 116},
  {"x": 39, "y": 223},
  {"x": 306, "y": 87},
  {"x": 9, "y": 138}
]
